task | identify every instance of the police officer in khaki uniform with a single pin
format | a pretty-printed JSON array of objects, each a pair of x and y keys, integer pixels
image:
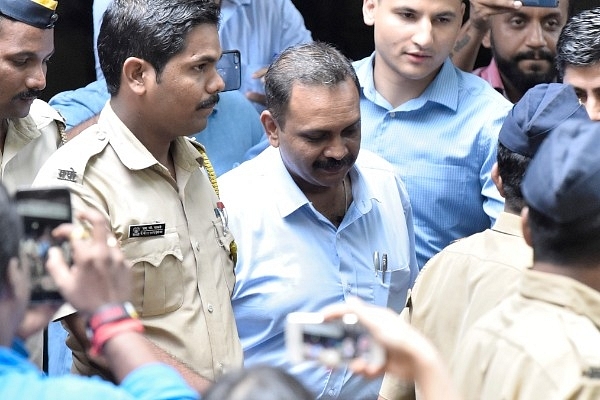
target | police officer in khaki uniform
[
  {"x": 472, "y": 275},
  {"x": 153, "y": 184},
  {"x": 30, "y": 130},
  {"x": 543, "y": 342}
]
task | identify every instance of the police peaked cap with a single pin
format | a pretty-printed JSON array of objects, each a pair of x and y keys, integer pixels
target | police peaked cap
[
  {"x": 38, "y": 13},
  {"x": 541, "y": 109},
  {"x": 563, "y": 179}
]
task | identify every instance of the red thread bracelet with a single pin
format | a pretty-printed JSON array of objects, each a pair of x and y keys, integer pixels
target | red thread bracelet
[
  {"x": 111, "y": 312},
  {"x": 107, "y": 331}
]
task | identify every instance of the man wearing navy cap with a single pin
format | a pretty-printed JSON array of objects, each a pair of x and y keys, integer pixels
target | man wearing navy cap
[
  {"x": 472, "y": 275},
  {"x": 543, "y": 342},
  {"x": 30, "y": 130}
]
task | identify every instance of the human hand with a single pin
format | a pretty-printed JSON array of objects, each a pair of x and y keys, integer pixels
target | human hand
[
  {"x": 258, "y": 97},
  {"x": 99, "y": 274},
  {"x": 481, "y": 11},
  {"x": 36, "y": 318},
  {"x": 408, "y": 352}
]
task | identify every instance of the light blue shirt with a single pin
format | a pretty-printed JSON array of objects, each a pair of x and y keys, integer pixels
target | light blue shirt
[
  {"x": 259, "y": 29},
  {"x": 444, "y": 145},
  {"x": 20, "y": 379},
  {"x": 233, "y": 128},
  {"x": 291, "y": 258}
]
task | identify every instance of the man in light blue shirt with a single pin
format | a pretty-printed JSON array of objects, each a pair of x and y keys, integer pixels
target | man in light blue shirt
[
  {"x": 438, "y": 125},
  {"x": 259, "y": 29},
  {"x": 233, "y": 133},
  {"x": 309, "y": 214}
]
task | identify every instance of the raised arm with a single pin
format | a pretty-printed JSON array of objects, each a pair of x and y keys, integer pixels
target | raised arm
[{"x": 474, "y": 29}]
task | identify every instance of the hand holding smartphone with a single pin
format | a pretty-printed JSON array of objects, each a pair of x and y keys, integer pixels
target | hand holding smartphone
[
  {"x": 309, "y": 337},
  {"x": 41, "y": 211}
]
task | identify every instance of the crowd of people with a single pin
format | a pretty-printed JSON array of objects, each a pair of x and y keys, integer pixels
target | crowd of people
[{"x": 453, "y": 211}]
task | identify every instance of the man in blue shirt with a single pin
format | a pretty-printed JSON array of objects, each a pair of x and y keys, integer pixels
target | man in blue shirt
[
  {"x": 314, "y": 220},
  {"x": 90, "y": 286},
  {"x": 259, "y": 29},
  {"x": 438, "y": 125}
]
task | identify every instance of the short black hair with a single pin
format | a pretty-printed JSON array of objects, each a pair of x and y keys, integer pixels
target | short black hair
[
  {"x": 576, "y": 243},
  {"x": 512, "y": 167},
  {"x": 153, "y": 30}
]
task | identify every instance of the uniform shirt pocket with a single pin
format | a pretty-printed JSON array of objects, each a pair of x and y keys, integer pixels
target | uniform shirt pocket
[{"x": 157, "y": 273}]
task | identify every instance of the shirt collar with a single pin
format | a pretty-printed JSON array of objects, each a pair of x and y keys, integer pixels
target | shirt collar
[
  {"x": 291, "y": 198},
  {"x": 442, "y": 90},
  {"x": 133, "y": 154},
  {"x": 491, "y": 74},
  {"x": 509, "y": 224},
  {"x": 563, "y": 292}
]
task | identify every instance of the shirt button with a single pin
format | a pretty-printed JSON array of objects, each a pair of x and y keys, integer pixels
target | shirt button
[
  {"x": 101, "y": 135},
  {"x": 210, "y": 308},
  {"x": 331, "y": 392},
  {"x": 197, "y": 246},
  {"x": 392, "y": 115}
]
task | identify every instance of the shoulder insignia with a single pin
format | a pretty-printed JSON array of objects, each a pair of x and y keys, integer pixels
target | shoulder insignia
[
  {"x": 592, "y": 372},
  {"x": 67, "y": 175},
  {"x": 71, "y": 159}
]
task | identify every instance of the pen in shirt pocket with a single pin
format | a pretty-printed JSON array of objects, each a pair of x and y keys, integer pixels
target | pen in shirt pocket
[{"x": 380, "y": 264}]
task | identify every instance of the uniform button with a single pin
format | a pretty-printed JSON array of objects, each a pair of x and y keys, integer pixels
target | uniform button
[
  {"x": 392, "y": 115},
  {"x": 210, "y": 308},
  {"x": 221, "y": 366}
]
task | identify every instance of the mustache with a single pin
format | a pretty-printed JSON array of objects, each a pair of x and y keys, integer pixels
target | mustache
[
  {"x": 210, "y": 102},
  {"x": 32, "y": 93},
  {"x": 332, "y": 163},
  {"x": 535, "y": 55}
]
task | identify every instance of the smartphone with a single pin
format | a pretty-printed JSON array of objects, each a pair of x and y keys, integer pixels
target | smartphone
[
  {"x": 41, "y": 211},
  {"x": 230, "y": 69},
  {"x": 332, "y": 343},
  {"x": 540, "y": 3}
]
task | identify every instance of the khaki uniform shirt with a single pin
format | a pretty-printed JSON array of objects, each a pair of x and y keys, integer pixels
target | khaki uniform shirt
[
  {"x": 28, "y": 144},
  {"x": 169, "y": 230},
  {"x": 461, "y": 283},
  {"x": 541, "y": 343}
]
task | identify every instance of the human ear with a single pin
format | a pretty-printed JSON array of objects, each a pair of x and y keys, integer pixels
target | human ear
[
  {"x": 368, "y": 10},
  {"x": 271, "y": 127},
  {"x": 525, "y": 226},
  {"x": 136, "y": 74}
]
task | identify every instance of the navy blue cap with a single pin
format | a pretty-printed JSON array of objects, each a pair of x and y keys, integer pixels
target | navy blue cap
[
  {"x": 563, "y": 179},
  {"x": 38, "y": 13},
  {"x": 541, "y": 109}
]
